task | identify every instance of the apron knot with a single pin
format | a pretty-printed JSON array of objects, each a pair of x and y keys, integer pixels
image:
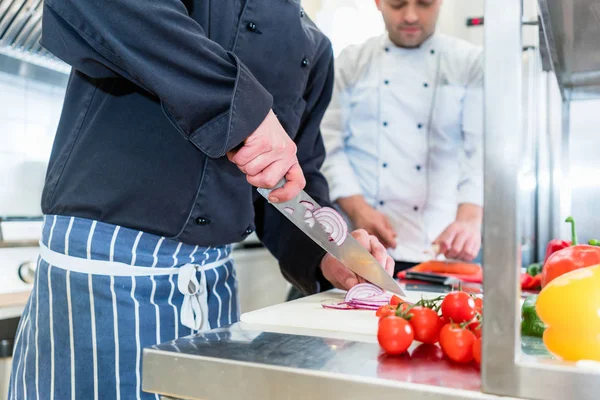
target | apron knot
[{"x": 194, "y": 310}]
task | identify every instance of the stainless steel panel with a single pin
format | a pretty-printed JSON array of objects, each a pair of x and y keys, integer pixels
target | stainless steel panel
[
  {"x": 572, "y": 29},
  {"x": 503, "y": 127},
  {"x": 505, "y": 370},
  {"x": 584, "y": 168},
  {"x": 237, "y": 362}
]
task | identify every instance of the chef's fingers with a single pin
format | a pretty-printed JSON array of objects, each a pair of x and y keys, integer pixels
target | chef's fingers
[
  {"x": 272, "y": 174},
  {"x": 344, "y": 276},
  {"x": 258, "y": 165},
  {"x": 362, "y": 237},
  {"x": 336, "y": 273},
  {"x": 390, "y": 265},
  {"x": 458, "y": 244},
  {"x": 378, "y": 251},
  {"x": 385, "y": 235},
  {"x": 388, "y": 225},
  {"x": 471, "y": 248},
  {"x": 295, "y": 182},
  {"x": 251, "y": 148},
  {"x": 445, "y": 239}
]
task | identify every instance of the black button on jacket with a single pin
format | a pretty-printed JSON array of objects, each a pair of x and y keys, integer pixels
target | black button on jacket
[{"x": 160, "y": 90}]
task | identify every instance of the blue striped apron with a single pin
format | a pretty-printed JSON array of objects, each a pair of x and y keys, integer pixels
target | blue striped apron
[{"x": 101, "y": 294}]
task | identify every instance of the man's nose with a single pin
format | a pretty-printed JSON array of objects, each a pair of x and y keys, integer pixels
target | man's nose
[{"x": 410, "y": 15}]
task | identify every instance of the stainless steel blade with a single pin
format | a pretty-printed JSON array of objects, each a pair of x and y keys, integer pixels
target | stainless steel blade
[{"x": 350, "y": 253}]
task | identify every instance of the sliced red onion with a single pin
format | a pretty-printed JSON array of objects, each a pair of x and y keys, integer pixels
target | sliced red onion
[
  {"x": 308, "y": 214},
  {"x": 310, "y": 222},
  {"x": 307, "y": 204},
  {"x": 333, "y": 223},
  {"x": 289, "y": 210},
  {"x": 339, "y": 306},
  {"x": 363, "y": 291}
]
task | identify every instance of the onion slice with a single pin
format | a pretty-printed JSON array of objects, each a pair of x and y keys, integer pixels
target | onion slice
[
  {"x": 307, "y": 204},
  {"x": 333, "y": 224},
  {"x": 289, "y": 210},
  {"x": 364, "y": 296},
  {"x": 363, "y": 291}
]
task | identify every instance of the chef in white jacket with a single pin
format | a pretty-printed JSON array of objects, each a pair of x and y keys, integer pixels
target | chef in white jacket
[{"x": 403, "y": 135}]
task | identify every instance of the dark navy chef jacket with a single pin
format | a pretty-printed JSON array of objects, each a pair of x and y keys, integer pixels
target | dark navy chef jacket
[{"x": 160, "y": 90}]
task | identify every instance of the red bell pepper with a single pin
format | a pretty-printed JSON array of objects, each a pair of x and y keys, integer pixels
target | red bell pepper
[
  {"x": 529, "y": 282},
  {"x": 555, "y": 245},
  {"x": 570, "y": 258}
]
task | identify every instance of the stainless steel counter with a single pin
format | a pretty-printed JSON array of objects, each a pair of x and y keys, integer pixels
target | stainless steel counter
[{"x": 240, "y": 362}]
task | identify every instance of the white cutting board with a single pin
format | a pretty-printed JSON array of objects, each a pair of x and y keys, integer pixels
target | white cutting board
[{"x": 307, "y": 313}]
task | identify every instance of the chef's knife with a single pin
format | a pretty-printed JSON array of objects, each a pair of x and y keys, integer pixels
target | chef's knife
[
  {"x": 431, "y": 278},
  {"x": 347, "y": 250}
]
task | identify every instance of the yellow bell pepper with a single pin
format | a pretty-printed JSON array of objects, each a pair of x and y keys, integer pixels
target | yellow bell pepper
[{"x": 570, "y": 308}]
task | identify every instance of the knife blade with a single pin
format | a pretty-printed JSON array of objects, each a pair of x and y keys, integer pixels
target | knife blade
[{"x": 350, "y": 252}]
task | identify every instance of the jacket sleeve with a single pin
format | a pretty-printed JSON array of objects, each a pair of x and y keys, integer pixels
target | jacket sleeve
[
  {"x": 206, "y": 92},
  {"x": 299, "y": 257},
  {"x": 337, "y": 168},
  {"x": 470, "y": 188}
]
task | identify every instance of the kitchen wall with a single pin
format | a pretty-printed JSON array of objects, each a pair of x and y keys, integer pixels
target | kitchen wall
[{"x": 29, "y": 114}]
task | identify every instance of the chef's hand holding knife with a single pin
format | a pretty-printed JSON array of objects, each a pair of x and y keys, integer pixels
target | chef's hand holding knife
[
  {"x": 268, "y": 155},
  {"x": 341, "y": 277}
]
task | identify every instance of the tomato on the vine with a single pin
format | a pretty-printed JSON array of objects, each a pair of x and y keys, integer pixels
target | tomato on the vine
[
  {"x": 475, "y": 327},
  {"x": 458, "y": 307},
  {"x": 426, "y": 324},
  {"x": 477, "y": 350},
  {"x": 395, "y": 300},
  {"x": 395, "y": 335},
  {"x": 457, "y": 343},
  {"x": 479, "y": 305},
  {"x": 385, "y": 311}
]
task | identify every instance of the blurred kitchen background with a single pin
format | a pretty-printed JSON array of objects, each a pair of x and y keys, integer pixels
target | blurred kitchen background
[{"x": 32, "y": 86}]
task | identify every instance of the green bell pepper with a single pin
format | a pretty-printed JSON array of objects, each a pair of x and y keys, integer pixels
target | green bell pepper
[
  {"x": 534, "y": 269},
  {"x": 531, "y": 324}
]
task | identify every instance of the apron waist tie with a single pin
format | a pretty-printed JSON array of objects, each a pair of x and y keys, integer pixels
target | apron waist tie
[{"x": 194, "y": 310}]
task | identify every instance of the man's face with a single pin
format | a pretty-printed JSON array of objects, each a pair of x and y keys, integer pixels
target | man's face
[{"x": 409, "y": 22}]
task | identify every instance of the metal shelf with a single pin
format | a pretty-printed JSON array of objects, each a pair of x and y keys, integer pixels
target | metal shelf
[{"x": 571, "y": 30}]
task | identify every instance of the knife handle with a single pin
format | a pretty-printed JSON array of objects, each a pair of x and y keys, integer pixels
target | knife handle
[{"x": 428, "y": 277}]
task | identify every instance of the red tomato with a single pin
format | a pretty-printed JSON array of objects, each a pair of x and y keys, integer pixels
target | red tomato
[
  {"x": 385, "y": 311},
  {"x": 395, "y": 335},
  {"x": 457, "y": 343},
  {"x": 477, "y": 350},
  {"x": 458, "y": 307},
  {"x": 479, "y": 305},
  {"x": 395, "y": 300},
  {"x": 425, "y": 323},
  {"x": 475, "y": 327}
]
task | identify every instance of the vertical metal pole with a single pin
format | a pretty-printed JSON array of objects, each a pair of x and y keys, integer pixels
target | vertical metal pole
[
  {"x": 503, "y": 98},
  {"x": 563, "y": 185}
]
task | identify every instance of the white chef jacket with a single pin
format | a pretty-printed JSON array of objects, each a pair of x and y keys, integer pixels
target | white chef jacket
[{"x": 404, "y": 129}]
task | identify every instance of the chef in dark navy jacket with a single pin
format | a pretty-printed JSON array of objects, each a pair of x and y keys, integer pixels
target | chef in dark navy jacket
[{"x": 174, "y": 113}]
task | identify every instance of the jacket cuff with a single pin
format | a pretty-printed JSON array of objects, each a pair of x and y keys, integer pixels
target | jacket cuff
[
  {"x": 250, "y": 105},
  {"x": 342, "y": 181},
  {"x": 316, "y": 282},
  {"x": 470, "y": 193}
]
